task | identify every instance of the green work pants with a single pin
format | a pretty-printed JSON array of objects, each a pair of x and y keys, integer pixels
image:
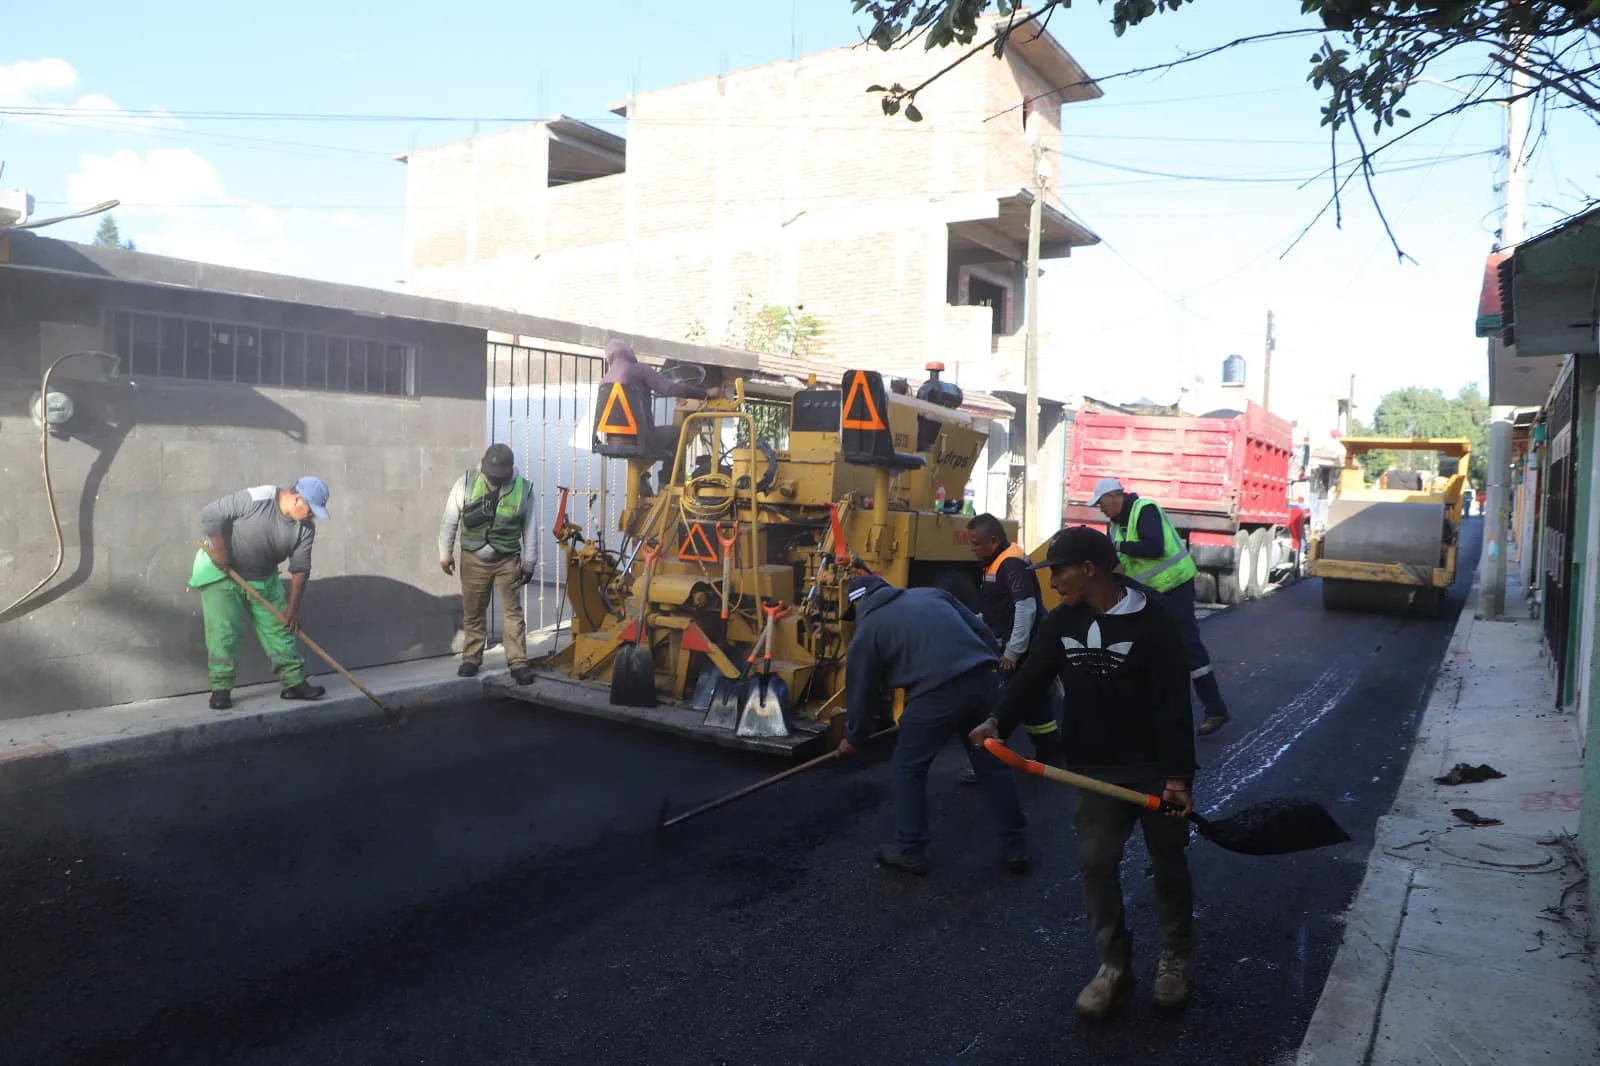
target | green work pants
[{"x": 226, "y": 606}]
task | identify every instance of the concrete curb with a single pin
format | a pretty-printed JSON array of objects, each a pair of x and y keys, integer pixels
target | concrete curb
[
  {"x": 44, "y": 762},
  {"x": 1350, "y": 1009}
]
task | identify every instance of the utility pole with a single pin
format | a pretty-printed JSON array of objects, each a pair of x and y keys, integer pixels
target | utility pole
[
  {"x": 1266, "y": 372},
  {"x": 1492, "y": 568},
  {"x": 1028, "y": 528}
]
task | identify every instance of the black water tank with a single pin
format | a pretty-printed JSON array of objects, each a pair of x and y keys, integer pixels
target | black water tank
[{"x": 935, "y": 391}]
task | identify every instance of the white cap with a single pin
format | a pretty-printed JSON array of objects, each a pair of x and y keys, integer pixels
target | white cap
[{"x": 1105, "y": 487}]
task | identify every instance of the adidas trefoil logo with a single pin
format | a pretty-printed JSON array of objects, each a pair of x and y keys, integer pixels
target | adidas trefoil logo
[{"x": 1090, "y": 653}]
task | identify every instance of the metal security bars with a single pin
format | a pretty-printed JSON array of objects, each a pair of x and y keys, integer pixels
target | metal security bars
[
  {"x": 1561, "y": 490},
  {"x": 540, "y": 403},
  {"x": 167, "y": 346}
]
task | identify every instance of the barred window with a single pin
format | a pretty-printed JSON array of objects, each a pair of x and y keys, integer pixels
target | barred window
[{"x": 161, "y": 346}]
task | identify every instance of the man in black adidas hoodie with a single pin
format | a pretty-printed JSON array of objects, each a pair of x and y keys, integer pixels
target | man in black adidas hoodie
[
  {"x": 929, "y": 643},
  {"x": 1119, "y": 655}
]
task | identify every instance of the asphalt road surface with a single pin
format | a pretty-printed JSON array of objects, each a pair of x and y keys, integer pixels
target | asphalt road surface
[{"x": 485, "y": 885}]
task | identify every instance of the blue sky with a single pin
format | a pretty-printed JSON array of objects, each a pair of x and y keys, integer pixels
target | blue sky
[{"x": 1186, "y": 273}]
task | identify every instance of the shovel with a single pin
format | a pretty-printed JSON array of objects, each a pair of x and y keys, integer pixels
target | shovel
[
  {"x": 726, "y": 698},
  {"x": 727, "y": 539},
  {"x": 766, "y": 700},
  {"x": 1276, "y": 827},
  {"x": 633, "y": 674}
]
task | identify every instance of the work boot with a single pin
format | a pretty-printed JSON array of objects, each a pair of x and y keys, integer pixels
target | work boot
[
  {"x": 1212, "y": 723},
  {"x": 1015, "y": 858},
  {"x": 305, "y": 690},
  {"x": 467, "y": 670},
  {"x": 522, "y": 675},
  {"x": 1102, "y": 993},
  {"x": 1172, "y": 982},
  {"x": 893, "y": 855},
  {"x": 221, "y": 699}
]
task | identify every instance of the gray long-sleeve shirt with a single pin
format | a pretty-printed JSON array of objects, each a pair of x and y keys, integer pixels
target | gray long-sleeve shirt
[
  {"x": 258, "y": 536},
  {"x": 450, "y": 522}
]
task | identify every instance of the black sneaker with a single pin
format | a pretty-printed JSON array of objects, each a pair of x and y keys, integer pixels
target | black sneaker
[
  {"x": 305, "y": 690},
  {"x": 522, "y": 675},
  {"x": 892, "y": 855},
  {"x": 467, "y": 670},
  {"x": 1016, "y": 859},
  {"x": 221, "y": 699},
  {"x": 1211, "y": 724}
]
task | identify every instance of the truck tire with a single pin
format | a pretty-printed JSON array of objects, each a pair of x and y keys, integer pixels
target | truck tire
[
  {"x": 1244, "y": 566},
  {"x": 1263, "y": 544},
  {"x": 1205, "y": 587}
]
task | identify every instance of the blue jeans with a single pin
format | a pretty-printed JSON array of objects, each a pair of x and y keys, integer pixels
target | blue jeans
[
  {"x": 1180, "y": 602},
  {"x": 926, "y": 725}
]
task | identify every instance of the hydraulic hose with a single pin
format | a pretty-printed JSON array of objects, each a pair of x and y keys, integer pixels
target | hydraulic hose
[{"x": 44, "y": 462}]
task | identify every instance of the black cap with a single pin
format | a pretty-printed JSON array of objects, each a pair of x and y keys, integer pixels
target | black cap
[
  {"x": 1077, "y": 545},
  {"x": 863, "y": 585},
  {"x": 498, "y": 461}
]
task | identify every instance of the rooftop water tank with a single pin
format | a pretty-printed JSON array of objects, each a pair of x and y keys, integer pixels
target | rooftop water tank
[{"x": 1233, "y": 371}]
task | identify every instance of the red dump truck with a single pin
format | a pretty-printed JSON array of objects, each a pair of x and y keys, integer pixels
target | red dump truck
[{"x": 1223, "y": 480}]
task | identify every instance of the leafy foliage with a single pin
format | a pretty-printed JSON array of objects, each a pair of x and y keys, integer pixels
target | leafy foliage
[
  {"x": 109, "y": 236},
  {"x": 772, "y": 329},
  {"x": 1417, "y": 412}
]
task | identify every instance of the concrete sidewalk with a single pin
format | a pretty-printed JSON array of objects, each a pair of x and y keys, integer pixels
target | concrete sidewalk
[
  {"x": 1471, "y": 944},
  {"x": 38, "y": 748}
]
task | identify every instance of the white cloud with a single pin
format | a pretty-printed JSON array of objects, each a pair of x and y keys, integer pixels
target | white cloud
[
  {"x": 175, "y": 203},
  {"x": 43, "y": 88}
]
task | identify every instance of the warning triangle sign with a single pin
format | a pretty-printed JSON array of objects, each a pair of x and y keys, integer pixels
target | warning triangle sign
[
  {"x": 697, "y": 546},
  {"x": 619, "y": 422},
  {"x": 860, "y": 411}
]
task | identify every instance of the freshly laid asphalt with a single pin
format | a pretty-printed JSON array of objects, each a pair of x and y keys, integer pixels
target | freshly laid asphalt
[{"x": 485, "y": 884}]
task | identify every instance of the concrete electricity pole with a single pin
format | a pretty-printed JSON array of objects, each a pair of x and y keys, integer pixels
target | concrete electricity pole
[
  {"x": 1492, "y": 567},
  {"x": 1028, "y": 528},
  {"x": 1266, "y": 372}
]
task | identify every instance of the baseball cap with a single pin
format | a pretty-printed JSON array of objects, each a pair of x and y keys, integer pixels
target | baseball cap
[
  {"x": 862, "y": 585},
  {"x": 1105, "y": 487},
  {"x": 1077, "y": 545},
  {"x": 315, "y": 493},
  {"x": 498, "y": 461}
]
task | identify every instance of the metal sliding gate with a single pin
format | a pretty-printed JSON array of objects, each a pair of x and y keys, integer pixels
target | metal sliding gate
[
  {"x": 1560, "y": 514},
  {"x": 541, "y": 404}
]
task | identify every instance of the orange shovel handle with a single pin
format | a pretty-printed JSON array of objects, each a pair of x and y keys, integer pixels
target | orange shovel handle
[{"x": 997, "y": 747}]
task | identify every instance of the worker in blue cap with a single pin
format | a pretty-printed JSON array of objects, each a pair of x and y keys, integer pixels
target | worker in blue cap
[{"x": 252, "y": 532}]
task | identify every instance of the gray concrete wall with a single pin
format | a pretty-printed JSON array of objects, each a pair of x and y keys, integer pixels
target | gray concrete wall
[{"x": 139, "y": 461}]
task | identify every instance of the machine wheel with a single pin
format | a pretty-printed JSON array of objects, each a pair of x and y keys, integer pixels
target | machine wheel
[
  {"x": 1228, "y": 592},
  {"x": 1262, "y": 543},
  {"x": 1205, "y": 587},
  {"x": 1244, "y": 566}
]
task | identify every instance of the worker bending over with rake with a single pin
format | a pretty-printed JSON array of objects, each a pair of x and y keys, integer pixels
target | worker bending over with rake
[
  {"x": 927, "y": 642},
  {"x": 1012, "y": 606},
  {"x": 251, "y": 532},
  {"x": 1119, "y": 656}
]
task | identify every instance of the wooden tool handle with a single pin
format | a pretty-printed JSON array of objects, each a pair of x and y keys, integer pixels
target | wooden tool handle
[{"x": 998, "y": 749}]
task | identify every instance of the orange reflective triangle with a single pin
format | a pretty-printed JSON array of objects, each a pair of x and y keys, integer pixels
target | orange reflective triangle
[
  {"x": 866, "y": 416},
  {"x": 697, "y": 546},
  {"x": 626, "y": 428}
]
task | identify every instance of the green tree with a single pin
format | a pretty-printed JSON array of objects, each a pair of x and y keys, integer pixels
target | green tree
[
  {"x": 1371, "y": 52},
  {"x": 1418, "y": 412},
  {"x": 109, "y": 236}
]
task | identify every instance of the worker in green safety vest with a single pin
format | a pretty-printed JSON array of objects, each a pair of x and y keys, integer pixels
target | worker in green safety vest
[
  {"x": 493, "y": 509},
  {"x": 1154, "y": 555}
]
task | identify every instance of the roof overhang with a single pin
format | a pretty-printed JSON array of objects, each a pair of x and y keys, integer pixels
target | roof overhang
[
  {"x": 1034, "y": 45},
  {"x": 1520, "y": 381},
  {"x": 1003, "y": 229},
  {"x": 1548, "y": 291}
]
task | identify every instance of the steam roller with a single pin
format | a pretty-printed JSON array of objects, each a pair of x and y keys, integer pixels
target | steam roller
[
  {"x": 1391, "y": 547},
  {"x": 715, "y": 608}
]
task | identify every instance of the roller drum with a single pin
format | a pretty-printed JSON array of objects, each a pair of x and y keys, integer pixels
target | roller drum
[{"x": 1377, "y": 531}]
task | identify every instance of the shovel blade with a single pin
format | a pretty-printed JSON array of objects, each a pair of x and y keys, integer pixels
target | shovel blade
[
  {"x": 723, "y": 713},
  {"x": 1276, "y": 827},
  {"x": 765, "y": 709},
  {"x": 704, "y": 689},
  {"x": 633, "y": 677}
]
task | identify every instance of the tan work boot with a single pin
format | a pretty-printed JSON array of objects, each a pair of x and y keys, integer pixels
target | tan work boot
[
  {"x": 1172, "y": 982},
  {"x": 1102, "y": 993}
]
